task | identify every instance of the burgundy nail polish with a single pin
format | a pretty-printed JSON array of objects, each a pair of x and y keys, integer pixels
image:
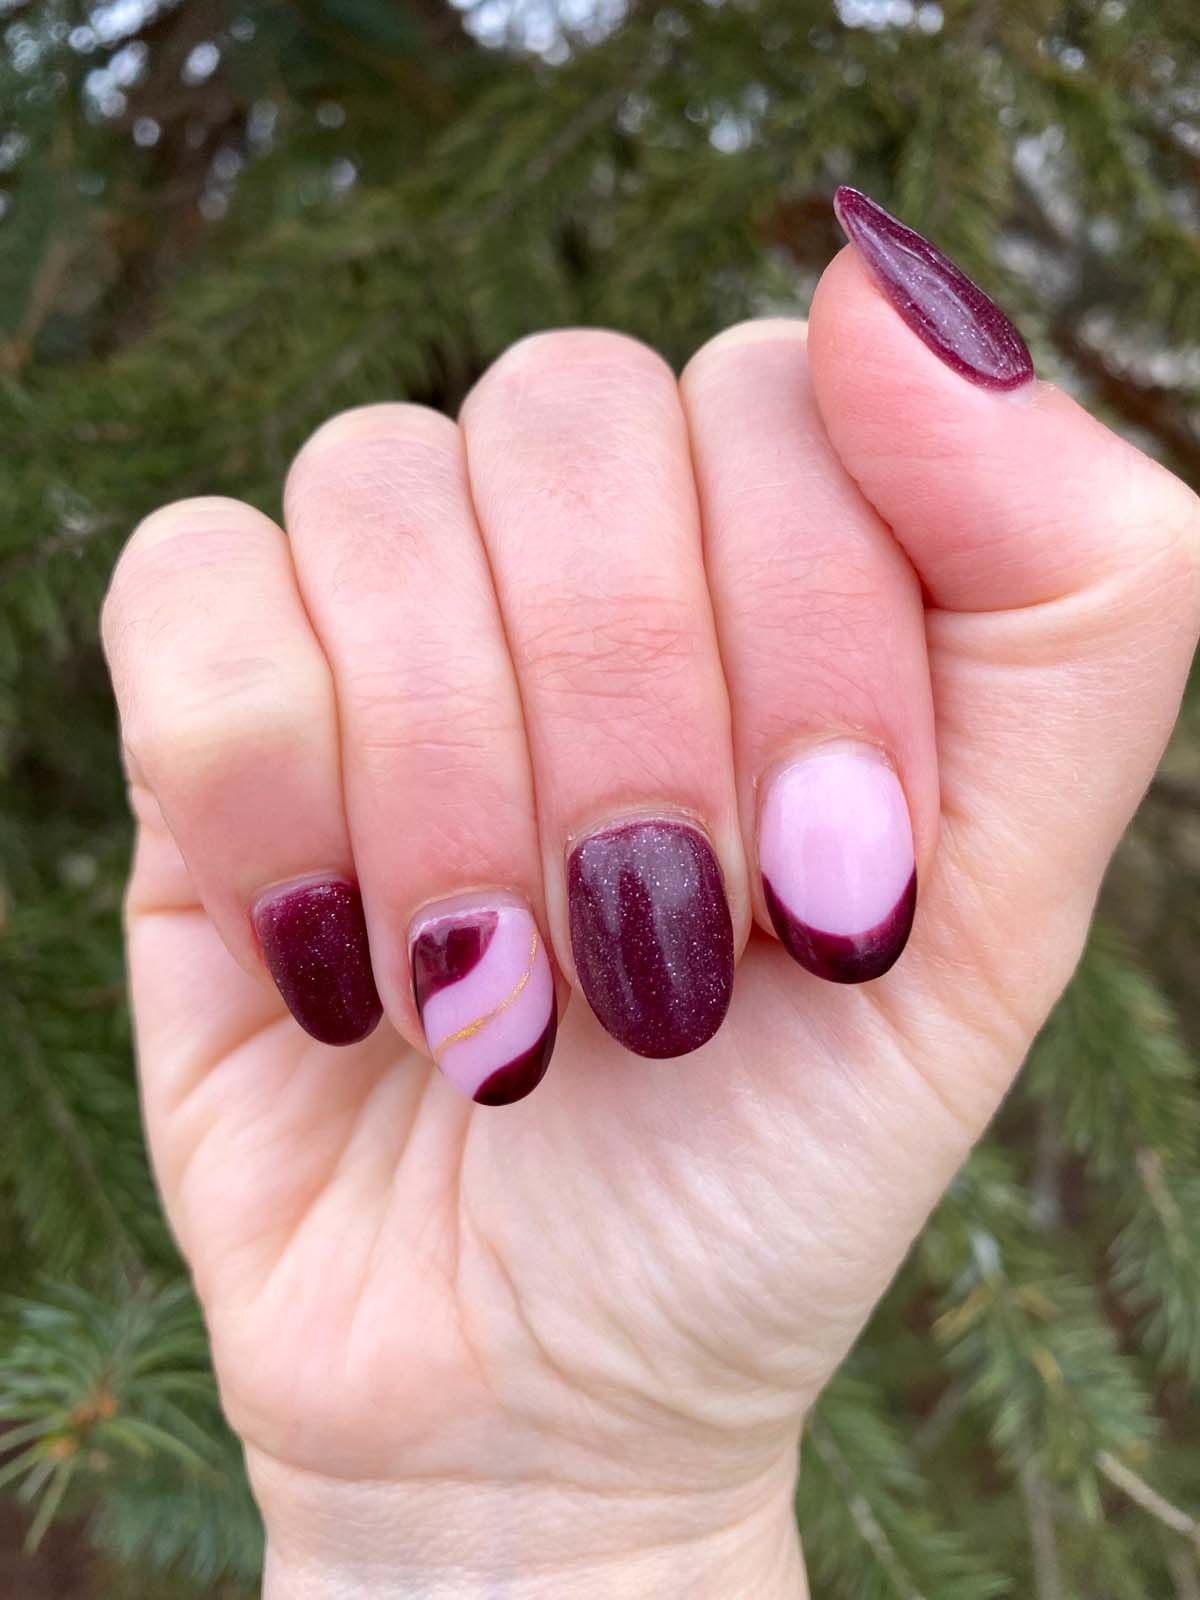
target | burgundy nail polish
[
  {"x": 314, "y": 941},
  {"x": 839, "y": 957},
  {"x": 651, "y": 934},
  {"x": 939, "y": 302}
]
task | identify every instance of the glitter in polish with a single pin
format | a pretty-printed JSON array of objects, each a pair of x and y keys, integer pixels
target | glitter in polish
[
  {"x": 939, "y": 302},
  {"x": 314, "y": 941},
  {"x": 651, "y": 934}
]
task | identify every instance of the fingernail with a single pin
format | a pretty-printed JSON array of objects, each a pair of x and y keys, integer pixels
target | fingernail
[
  {"x": 836, "y": 852},
  {"x": 485, "y": 993},
  {"x": 651, "y": 934},
  {"x": 314, "y": 941},
  {"x": 939, "y": 302}
]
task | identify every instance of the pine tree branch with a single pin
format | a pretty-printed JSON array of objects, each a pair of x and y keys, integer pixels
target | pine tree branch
[
  {"x": 75, "y": 1140},
  {"x": 1150, "y": 1170},
  {"x": 869, "y": 1527},
  {"x": 1047, "y": 1581},
  {"x": 1139, "y": 1491},
  {"x": 1156, "y": 408},
  {"x": 1044, "y": 1184},
  {"x": 1185, "y": 1574},
  {"x": 945, "y": 1413},
  {"x": 404, "y": 71},
  {"x": 1151, "y": 406},
  {"x": 804, "y": 228},
  {"x": 48, "y": 280},
  {"x": 51, "y": 272},
  {"x": 591, "y": 116},
  {"x": 343, "y": 367}
]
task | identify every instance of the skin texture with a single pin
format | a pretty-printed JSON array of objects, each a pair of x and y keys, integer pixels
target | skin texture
[{"x": 566, "y": 1346}]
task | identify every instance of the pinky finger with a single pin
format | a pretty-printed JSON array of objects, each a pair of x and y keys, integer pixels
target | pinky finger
[{"x": 228, "y": 719}]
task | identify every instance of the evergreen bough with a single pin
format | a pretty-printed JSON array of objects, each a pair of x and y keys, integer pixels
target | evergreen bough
[{"x": 198, "y": 262}]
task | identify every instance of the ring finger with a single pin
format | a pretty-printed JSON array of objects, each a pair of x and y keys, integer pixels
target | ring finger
[
  {"x": 822, "y": 634},
  {"x": 439, "y": 796}
]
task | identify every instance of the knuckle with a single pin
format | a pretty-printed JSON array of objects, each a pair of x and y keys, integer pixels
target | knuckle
[
  {"x": 183, "y": 525},
  {"x": 401, "y": 705},
  {"x": 175, "y": 539},
  {"x": 580, "y": 357},
  {"x": 400, "y": 469},
  {"x": 185, "y": 516},
  {"x": 457, "y": 765},
  {"x": 1183, "y": 528},
  {"x": 615, "y": 653},
  {"x": 386, "y": 420},
  {"x": 219, "y": 715},
  {"x": 1160, "y": 558},
  {"x": 738, "y": 340}
]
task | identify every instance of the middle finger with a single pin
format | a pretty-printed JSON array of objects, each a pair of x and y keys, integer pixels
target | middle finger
[{"x": 579, "y": 462}]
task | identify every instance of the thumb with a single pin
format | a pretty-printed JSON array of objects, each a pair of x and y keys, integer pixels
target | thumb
[{"x": 1062, "y": 574}]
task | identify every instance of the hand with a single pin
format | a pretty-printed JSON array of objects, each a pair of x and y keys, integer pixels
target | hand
[{"x": 571, "y": 676}]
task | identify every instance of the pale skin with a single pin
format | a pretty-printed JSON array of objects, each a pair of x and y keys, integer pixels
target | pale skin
[{"x": 565, "y": 1347}]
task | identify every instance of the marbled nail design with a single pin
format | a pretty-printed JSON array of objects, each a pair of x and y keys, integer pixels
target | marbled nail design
[
  {"x": 939, "y": 302},
  {"x": 314, "y": 941},
  {"x": 485, "y": 993},
  {"x": 836, "y": 853},
  {"x": 651, "y": 935}
]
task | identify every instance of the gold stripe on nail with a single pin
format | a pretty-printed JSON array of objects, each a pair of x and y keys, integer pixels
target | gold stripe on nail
[{"x": 480, "y": 1022}]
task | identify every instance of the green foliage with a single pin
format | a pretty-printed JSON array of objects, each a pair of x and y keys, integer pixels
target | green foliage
[
  {"x": 863, "y": 1498},
  {"x": 1035, "y": 1354},
  {"x": 1120, "y": 1087},
  {"x": 363, "y": 200},
  {"x": 111, "y": 1399}
]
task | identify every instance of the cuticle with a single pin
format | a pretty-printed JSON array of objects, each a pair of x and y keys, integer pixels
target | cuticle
[
  {"x": 810, "y": 747},
  {"x": 1028, "y": 392},
  {"x": 486, "y": 898},
  {"x": 679, "y": 816},
  {"x": 304, "y": 880}
]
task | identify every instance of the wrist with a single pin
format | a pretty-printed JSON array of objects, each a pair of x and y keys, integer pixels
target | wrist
[{"x": 333, "y": 1539}]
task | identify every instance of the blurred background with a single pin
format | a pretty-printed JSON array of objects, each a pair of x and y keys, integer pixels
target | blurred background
[{"x": 219, "y": 222}]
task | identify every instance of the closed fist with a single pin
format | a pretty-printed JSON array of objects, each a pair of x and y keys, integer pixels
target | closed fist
[{"x": 776, "y": 724}]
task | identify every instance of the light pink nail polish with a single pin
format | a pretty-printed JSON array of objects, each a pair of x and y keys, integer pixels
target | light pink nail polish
[
  {"x": 836, "y": 854},
  {"x": 485, "y": 993}
]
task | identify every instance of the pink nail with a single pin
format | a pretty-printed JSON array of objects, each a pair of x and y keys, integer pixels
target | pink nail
[
  {"x": 485, "y": 993},
  {"x": 836, "y": 853}
]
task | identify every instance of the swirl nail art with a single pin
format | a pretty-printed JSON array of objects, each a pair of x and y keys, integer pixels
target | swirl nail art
[{"x": 485, "y": 993}]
